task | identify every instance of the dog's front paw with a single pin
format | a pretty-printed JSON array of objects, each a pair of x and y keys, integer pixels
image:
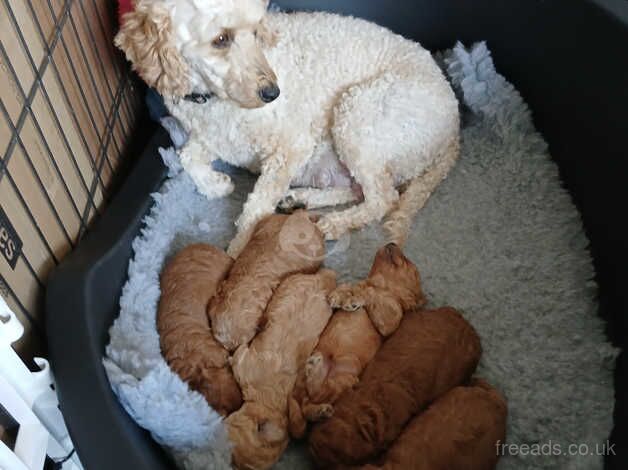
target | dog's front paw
[
  {"x": 209, "y": 182},
  {"x": 214, "y": 185},
  {"x": 346, "y": 297},
  {"x": 241, "y": 239},
  {"x": 223, "y": 185},
  {"x": 235, "y": 247}
]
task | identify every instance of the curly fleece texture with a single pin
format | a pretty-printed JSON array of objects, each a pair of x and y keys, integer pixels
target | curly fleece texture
[{"x": 500, "y": 240}]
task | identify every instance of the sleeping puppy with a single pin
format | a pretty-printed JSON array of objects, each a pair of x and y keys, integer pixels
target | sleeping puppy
[
  {"x": 392, "y": 287},
  {"x": 187, "y": 343},
  {"x": 326, "y": 376},
  {"x": 267, "y": 369},
  {"x": 432, "y": 352},
  {"x": 459, "y": 431},
  {"x": 353, "y": 337},
  {"x": 280, "y": 246}
]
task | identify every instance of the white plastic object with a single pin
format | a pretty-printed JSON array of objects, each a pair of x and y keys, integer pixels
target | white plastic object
[
  {"x": 30, "y": 395},
  {"x": 32, "y": 437}
]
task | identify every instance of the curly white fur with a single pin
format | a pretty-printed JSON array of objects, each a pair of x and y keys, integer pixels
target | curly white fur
[{"x": 378, "y": 100}]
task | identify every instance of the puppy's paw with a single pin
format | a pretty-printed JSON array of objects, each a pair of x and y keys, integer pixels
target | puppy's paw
[
  {"x": 324, "y": 411},
  {"x": 346, "y": 297},
  {"x": 314, "y": 364}
]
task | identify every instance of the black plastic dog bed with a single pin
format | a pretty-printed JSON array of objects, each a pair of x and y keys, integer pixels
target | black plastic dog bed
[{"x": 568, "y": 58}]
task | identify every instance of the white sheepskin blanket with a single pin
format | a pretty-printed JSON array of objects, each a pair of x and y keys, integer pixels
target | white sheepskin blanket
[{"x": 500, "y": 239}]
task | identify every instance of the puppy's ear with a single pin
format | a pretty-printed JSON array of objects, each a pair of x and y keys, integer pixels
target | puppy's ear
[
  {"x": 371, "y": 425},
  {"x": 146, "y": 37},
  {"x": 385, "y": 313}
]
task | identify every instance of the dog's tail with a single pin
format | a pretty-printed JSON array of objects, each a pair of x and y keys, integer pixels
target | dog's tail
[{"x": 418, "y": 191}]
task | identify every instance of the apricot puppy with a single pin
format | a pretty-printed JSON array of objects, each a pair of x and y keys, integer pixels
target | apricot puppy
[
  {"x": 324, "y": 377},
  {"x": 460, "y": 431},
  {"x": 432, "y": 352},
  {"x": 267, "y": 369},
  {"x": 392, "y": 287},
  {"x": 188, "y": 281},
  {"x": 352, "y": 338},
  {"x": 280, "y": 246}
]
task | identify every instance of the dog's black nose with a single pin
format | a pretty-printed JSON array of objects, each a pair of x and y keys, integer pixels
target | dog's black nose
[{"x": 269, "y": 93}]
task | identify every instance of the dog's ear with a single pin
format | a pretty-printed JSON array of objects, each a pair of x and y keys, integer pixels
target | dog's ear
[
  {"x": 265, "y": 34},
  {"x": 145, "y": 37},
  {"x": 386, "y": 313},
  {"x": 371, "y": 425}
]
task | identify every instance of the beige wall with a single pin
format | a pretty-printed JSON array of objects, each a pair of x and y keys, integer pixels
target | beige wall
[{"x": 67, "y": 108}]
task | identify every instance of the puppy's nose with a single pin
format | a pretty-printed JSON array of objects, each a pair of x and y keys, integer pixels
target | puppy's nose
[
  {"x": 393, "y": 253},
  {"x": 392, "y": 249},
  {"x": 269, "y": 93}
]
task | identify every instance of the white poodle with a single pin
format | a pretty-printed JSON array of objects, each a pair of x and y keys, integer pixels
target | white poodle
[{"x": 354, "y": 96}]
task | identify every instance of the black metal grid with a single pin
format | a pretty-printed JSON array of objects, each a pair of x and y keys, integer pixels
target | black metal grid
[{"x": 73, "y": 19}]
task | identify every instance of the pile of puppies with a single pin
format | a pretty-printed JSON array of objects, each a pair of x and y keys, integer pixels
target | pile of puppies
[{"x": 385, "y": 383}]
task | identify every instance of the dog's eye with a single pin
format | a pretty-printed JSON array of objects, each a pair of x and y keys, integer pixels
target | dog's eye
[{"x": 222, "y": 40}]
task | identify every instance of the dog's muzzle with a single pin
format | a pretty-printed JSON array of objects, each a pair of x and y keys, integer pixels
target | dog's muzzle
[{"x": 269, "y": 93}]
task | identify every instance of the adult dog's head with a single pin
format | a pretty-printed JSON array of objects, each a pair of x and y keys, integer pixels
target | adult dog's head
[{"x": 199, "y": 46}]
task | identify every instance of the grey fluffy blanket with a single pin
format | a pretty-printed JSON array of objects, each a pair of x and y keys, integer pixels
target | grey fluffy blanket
[{"x": 500, "y": 240}]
